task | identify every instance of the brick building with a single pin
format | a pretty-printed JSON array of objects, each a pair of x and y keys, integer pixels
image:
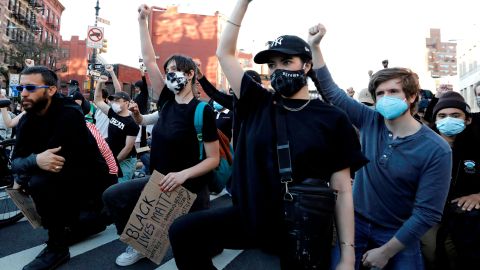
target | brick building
[
  {"x": 193, "y": 35},
  {"x": 32, "y": 30},
  {"x": 73, "y": 55},
  {"x": 442, "y": 56}
]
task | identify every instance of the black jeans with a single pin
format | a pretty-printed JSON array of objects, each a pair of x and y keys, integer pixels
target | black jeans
[
  {"x": 120, "y": 200},
  {"x": 58, "y": 203},
  {"x": 196, "y": 237}
]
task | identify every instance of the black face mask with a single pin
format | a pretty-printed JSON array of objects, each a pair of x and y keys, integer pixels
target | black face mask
[{"x": 287, "y": 83}]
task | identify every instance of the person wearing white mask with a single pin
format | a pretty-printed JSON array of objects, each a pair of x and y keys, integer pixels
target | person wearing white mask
[
  {"x": 175, "y": 146},
  {"x": 122, "y": 129}
]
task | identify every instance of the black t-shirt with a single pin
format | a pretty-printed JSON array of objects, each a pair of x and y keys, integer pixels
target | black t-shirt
[
  {"x": 118, "y": 129},
  {"x": 322, "y": 141},
  {"x": 224, "y": 122},
  {"x": 175, "y": 145}
]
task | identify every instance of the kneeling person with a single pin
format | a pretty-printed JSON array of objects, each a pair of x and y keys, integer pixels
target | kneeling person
[{"x": 48, "y": 162}]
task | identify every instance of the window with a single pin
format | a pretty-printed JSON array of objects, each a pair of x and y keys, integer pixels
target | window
[
  {"x": 41, "y": 34},
  {"x": 9, "y": 25}
]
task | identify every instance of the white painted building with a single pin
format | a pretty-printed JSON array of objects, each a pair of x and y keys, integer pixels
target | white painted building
[{"x": 468, "y": 53}]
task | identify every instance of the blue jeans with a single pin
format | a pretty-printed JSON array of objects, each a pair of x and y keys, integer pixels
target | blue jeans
[
  {"x": 128, "y": 168},
  {"x": 369, "y": 236}
]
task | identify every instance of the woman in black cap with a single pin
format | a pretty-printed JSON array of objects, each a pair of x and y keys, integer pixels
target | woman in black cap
[{"x": 323, "y": 145}]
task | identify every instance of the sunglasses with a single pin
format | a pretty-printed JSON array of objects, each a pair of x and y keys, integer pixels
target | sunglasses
[{"x": 30, "y": 88}]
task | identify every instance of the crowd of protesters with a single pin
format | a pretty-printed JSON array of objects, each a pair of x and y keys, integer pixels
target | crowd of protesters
[{"x": 413, "y": 157}]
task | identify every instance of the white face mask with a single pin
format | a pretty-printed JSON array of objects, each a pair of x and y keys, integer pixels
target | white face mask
[
  {"x": 176, "y": 81},
  {"x": 116, "y": 107}
]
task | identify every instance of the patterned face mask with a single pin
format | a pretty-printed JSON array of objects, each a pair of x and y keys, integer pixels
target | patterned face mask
[
  {"x": 286, "y": 82},
  {"x": 176, "y": 81}
]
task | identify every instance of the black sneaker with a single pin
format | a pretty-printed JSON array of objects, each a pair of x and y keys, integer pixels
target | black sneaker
[{"x": 49, "y": 259}]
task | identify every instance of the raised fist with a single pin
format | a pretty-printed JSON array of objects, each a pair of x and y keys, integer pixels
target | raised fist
[
  {"x": 102, "y": 79},
  {"x": 29, "y": 62},
  {"x": 143, "y": 12},
  {"x": 315, "y": 34},
  {"x": 109, "y": 68}
]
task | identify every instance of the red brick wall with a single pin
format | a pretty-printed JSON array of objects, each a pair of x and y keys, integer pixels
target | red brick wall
[
  {"x": 189, "y": 34},
  {"x": 127, "y": 76},
  {"x": 76, "y": 62}
]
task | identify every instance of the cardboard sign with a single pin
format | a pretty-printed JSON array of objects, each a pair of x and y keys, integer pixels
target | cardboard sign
[
  {"x": 25, "y": 203},
  {"x": 147, "y": 228},
  {"x": 142, "y": 149}
]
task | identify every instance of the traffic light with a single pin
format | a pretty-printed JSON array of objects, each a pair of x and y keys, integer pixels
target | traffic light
[{"x": 104, "y": 46}]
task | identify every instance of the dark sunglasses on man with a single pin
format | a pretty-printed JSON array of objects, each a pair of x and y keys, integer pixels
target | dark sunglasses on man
[{"x": 30, "y": 88}]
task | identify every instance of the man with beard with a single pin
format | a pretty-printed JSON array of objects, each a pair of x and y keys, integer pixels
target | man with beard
[{"x": 52, "y": 145}]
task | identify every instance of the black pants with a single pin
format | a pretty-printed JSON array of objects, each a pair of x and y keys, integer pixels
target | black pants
[
  {"x": 196, "y": 237},
  {"x": 58, "y": 202},
  {"x": 120, "y": 200},
  {"x": 458, "y": 241}
]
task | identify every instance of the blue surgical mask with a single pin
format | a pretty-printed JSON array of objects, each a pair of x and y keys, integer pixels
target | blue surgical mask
[
  {"x": 217, "y": 106},
  {"x": 450, "y": 126},
  {"x": 477, "y": 98},
  {"x": 391, "y": 107}
]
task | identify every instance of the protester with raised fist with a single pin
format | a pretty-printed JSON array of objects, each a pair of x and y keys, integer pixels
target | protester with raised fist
[
  {"x": 322, "y": 146},
  {"x": 400, "y": 194},
  {"x": 175, "y": 146},
  {"x": 122, "y": 129}
]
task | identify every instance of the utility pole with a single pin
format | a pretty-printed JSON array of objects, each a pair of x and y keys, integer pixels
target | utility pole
[{"x": 93, "y": 58}]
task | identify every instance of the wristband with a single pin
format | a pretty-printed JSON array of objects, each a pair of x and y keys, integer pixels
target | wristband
[
  {"x": 347, "y": 244},
  {"x": 237, "y": 25}
]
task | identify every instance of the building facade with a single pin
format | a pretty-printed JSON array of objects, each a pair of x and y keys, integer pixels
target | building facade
[
  {"x": 194, "y": 35},
  {"x": 441, "y": 56},
  {"x": 73, "y": 56},
  {"x": 28, "y": 29},
  {"x": 469, "y": 69}
]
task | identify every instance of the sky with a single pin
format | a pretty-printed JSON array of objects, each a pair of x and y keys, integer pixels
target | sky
[{"x": 360, "y": 34}]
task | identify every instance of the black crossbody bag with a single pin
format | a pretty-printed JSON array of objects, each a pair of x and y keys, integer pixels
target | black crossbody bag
[{"x": 309, "y": 210}]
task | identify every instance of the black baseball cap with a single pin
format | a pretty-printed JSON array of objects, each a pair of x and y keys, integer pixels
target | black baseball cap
[
  {"x": 121, "y": 95},
  {"x": 73, "y": 82},
  {"x": 291, "y": 45}
]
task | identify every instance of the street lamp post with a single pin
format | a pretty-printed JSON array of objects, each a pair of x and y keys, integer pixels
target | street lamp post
[{"x": 93, "y": 59}]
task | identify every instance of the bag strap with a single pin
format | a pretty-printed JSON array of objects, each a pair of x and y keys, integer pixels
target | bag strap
[
  {"x": 283, "y": 150},
  {"x": 198, "y": 123}
]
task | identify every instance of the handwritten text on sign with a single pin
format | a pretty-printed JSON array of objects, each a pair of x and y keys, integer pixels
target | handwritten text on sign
[{"x": 147, "y": 228}]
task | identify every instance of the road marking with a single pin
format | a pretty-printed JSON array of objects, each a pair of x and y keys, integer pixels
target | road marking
[
  {"x": 20, "y": 259},
  {"x": 220, "y": 261}
]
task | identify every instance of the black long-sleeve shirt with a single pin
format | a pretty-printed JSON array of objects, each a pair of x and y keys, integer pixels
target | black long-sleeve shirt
[{"x": 142, "y": 98}]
